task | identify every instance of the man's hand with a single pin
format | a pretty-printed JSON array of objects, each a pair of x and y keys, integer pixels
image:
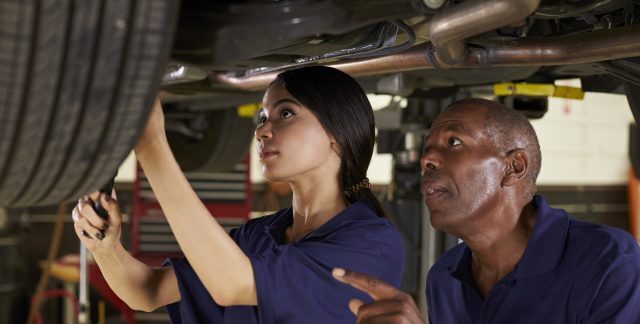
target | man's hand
[{"x": 389, "y": 304}]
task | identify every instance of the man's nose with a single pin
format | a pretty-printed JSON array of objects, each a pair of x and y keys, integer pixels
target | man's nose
[{"x": 430, "y": 161}]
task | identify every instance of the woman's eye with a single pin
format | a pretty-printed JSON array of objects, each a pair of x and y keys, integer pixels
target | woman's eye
[
  {"x": 261, "y": 119},
  {"x": 286, "y": 113},
  {"x": 454, "y": 141}
]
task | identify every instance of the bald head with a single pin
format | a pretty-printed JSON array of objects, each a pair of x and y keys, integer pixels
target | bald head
[{"x": 508, "y": 130}]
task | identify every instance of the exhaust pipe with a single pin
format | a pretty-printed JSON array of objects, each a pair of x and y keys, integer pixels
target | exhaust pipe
[
  {"x": 412, "y": 59},
  {"x": 604, "y": 45},
  {"x": 449, "y": 29},
  {"x": 588, "y": 47}
]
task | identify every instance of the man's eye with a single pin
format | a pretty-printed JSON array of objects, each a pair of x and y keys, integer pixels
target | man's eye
[
  {"x": 454, "y": 141},
  {"x": 286, "y": 113}
]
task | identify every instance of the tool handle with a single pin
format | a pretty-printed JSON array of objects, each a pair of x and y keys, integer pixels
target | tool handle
[{"x": 107, "y": 189}]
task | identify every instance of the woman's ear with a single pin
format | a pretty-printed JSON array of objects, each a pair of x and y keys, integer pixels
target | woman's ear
[
  {"x": 516, "y": 167},
  {"x": 334, "y": 144}
]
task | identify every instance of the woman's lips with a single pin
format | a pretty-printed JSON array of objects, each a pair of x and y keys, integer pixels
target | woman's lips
[{"x": 266, "y": 154}]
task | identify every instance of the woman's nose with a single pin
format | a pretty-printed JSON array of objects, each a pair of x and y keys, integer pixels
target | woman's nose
[{"x": 263, "y": 132}]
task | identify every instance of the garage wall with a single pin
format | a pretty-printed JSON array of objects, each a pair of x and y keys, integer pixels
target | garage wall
[
  {"x": 127, "y": 171},
  {"x": 585, "y": 142}
]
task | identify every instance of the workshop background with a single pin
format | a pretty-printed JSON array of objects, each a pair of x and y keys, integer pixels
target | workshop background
[{"x": 585, "y": 170}]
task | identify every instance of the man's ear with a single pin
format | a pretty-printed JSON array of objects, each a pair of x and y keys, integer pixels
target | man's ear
[{"x": 516, "y": 167}]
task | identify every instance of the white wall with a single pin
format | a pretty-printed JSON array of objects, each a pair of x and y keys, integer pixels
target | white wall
[
  {"x": 127, "y": 171},
  {"x": 585, "y": 142}
]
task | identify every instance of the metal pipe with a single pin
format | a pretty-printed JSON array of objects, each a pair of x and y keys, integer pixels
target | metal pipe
[
  {"x": 597, "y": 46},
  {"x": 409, "y": 60},
  {"x": 566, "y": 9},
  {"x": 447, "y": 32},
  {"x": 450, "y": 28},
  {"x": 603, "y": 45}
]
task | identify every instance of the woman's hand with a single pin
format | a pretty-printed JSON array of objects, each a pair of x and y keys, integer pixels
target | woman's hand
[
  {"x": 97, "y": 234},
  {"x": 138, "y": 285},
  {"x": 154, "y": 130}
]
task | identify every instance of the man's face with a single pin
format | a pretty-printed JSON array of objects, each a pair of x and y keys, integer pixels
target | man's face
[{"x": 462, "y": 170}]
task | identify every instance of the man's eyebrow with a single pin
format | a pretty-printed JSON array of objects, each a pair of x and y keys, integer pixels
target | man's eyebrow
[
  {"x": 449, "y": 128},
  {"x": 454, "y": 128}
]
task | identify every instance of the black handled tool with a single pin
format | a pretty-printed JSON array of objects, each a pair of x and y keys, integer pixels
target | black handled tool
[
  {"x": 97, "y": 207},
  {"x": 107, "y": 189}
]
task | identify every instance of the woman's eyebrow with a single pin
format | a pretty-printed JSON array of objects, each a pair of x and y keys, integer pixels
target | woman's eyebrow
[
  {"x": 280, "y": 102},
  {"x": 286, "y": 100}
]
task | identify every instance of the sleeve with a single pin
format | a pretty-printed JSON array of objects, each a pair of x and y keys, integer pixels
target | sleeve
[
  {"x": 294, "y": 282},
  {"x": 617, "y": 299},
  {"x": 245, "y": 235},
  {"x": 195, "y": 305}
]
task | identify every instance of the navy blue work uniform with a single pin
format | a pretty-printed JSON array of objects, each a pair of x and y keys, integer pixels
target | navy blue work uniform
[
  {"x": 293, "y": 281},
  {"x": 570, "y": 272}
]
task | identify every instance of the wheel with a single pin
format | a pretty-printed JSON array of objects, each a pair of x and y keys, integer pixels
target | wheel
[
  {"x": 77, "y": 80},
  {"x": 210, "y": 142}
]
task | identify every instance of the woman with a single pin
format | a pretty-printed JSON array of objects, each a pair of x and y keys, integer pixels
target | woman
[{"x": 316, "y": 132}]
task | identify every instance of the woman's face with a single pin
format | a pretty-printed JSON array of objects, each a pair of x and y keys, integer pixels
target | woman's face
[{"x": 291, "y": 140}]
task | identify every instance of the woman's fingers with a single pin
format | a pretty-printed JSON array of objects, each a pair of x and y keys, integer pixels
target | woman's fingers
[
  {"x": 85, "y": 207},
  {"x": 96, "y": 233},
  {"x": 88, "y": 229},
  {"x": 85, "y": 234},
  {"x": 82, "y": 234},
  {"x": 75, "y": 215},
  {"x": 110, "y": 204}
]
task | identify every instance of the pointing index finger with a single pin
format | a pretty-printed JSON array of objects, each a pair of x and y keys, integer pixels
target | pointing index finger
[{"x": 373, "y": 286}]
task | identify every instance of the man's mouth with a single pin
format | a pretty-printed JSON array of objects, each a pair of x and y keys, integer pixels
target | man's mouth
[{"x": 433, "y": 191}]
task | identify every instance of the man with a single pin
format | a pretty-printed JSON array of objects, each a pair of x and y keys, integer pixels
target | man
[{"x": 521, "y": 261}]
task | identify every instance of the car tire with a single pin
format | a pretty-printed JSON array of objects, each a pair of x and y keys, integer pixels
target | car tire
[
  {"x": 77, "y": 80},
  {"x": 223, "y": 143}
]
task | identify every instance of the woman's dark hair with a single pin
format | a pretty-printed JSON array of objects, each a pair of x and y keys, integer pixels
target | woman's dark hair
[{"x": 344, "y": 111}]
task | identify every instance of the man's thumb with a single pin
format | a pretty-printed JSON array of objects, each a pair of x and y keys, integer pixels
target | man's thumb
[{"x": 354, "y": 305}]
